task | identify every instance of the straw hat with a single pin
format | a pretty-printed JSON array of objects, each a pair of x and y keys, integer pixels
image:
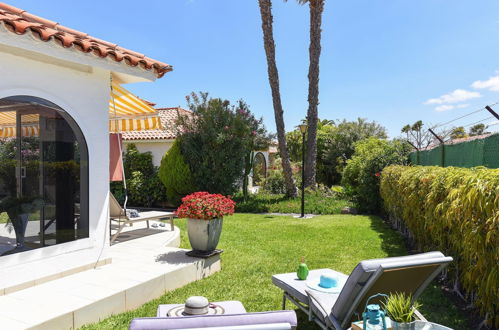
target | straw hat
[{"x": 196, "y": 305}]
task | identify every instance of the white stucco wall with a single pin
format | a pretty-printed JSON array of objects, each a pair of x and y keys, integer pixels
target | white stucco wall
[
  {"x": 158, "y": 148},
  {"x": 84, "y": 94}
]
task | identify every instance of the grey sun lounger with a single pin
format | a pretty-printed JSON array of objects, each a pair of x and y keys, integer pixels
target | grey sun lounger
[
  {"x": 116, "y": 213},
  {"x": 408, "y": 274}
]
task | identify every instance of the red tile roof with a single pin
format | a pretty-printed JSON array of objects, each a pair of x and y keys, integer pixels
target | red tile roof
[
  {"x": 168, "y": 117},
  {"x": 19, "y": 21}
]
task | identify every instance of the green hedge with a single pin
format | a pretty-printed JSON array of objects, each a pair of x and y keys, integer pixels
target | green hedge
[{"x": 456, "y": 211}]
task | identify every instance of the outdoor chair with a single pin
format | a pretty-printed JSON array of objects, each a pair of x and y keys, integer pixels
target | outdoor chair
[
  {"x": 118, "y": 214},
  {"x": 235, "y": 317},
  {"x": 408, "y": 274}
]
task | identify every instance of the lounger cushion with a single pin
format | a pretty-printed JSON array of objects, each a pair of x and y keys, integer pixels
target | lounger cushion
[
  {"x": 361, "y": 274},
  {"x": 228, "y": 320}
]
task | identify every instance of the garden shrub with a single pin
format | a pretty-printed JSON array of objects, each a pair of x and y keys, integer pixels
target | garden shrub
[
  {"x": 274, "y": 183},
  {"x": 456, "y": 211},
  {"x": 361, "y": 175},
  {"x": 175, "y": 175},
  {"x": 335, "y": 144},
  {"x": 145, "y": 191},
  {"x": 144, "y": 187},
  {"x": 216, "y": 141}
]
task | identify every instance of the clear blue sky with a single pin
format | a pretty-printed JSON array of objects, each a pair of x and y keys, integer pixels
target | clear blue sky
[{"x": 393, "y": 61}]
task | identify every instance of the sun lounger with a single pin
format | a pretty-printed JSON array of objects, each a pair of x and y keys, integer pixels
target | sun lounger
[
  {"x": 116, "y": 213},
  {"x": 409, "y": 274},
  {"x": 235, "y": 318}
]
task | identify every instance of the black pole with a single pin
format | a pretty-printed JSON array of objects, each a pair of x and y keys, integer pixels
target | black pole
[
  {"x": 303, "y": 176},
  {"x": 489, "y": 109}
]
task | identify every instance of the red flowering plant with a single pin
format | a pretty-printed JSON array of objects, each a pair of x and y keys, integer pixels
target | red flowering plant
[{"x": 205, "y": 206}]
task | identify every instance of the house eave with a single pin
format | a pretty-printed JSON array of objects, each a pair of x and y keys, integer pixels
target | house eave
[{"x": 27, "y": 45}]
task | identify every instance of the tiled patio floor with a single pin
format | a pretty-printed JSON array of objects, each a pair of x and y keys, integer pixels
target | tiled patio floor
[{"x": 142, "y": 268}]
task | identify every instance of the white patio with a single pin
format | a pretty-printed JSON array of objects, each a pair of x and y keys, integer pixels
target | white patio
[{"x": 142, "y": 265}]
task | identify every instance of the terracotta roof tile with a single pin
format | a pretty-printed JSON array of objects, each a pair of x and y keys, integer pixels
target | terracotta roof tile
[
  {"x": 168, "y": 118},
  {"x": 19, "y": 21}
]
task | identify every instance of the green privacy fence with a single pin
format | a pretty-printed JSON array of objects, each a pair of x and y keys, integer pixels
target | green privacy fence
[{"x": 479, "y": 152}]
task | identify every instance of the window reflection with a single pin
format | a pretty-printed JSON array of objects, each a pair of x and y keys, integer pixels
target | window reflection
[{"x": 43, "y": 176}]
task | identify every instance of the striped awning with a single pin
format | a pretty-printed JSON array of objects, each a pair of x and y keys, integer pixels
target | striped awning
[
  {"x": 129, "y": 113},
  {"x": 126, "y": 113},
  {"x": 134, "y": 124},
  {"x": 26, "y": 131},
  {"x": 29, "y": 125}
]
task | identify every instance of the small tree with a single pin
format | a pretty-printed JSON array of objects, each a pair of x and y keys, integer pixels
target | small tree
[
  {"x": 477, "y": 129},
  {"x": 340, "y": 146},
  {"x": 217, "y": 141},
  {"x": 175, "y": 175},
  {"x": 418, "y": 137},
  {"x": 458, "y": 133},
  {"x": 362, "y": 174}
]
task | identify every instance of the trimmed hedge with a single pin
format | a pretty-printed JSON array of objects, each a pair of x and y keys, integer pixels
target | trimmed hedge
[{"x": 456, "y": 211}]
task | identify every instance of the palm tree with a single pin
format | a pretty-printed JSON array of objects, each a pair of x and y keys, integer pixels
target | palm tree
[
  {"x": 269, "y": 45},
  {"x": 314, "y": 50}
]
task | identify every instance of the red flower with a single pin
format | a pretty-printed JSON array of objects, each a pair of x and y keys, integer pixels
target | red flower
[
  {"x": 378, "y": 174},
  {"x": 205, "y": 206}
]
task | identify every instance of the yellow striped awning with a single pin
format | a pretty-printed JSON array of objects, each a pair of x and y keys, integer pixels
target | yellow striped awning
[
  {"x": 126, "y": 113},
  {"x": 134, "y": 124},
  {"x": 26, "y": 131},
  {"x": 129, "y": 113}
]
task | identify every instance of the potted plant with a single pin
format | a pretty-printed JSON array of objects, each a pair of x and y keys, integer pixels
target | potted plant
[
  {"x": 204, "y": 213},
  {"x": 18, "y": 209},
  {"x": 401, "y": 310}
]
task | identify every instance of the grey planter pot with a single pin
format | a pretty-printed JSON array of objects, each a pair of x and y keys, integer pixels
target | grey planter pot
[
  {"x": 403, "y": 326},
  {"x": 204, "y": 234},
  {"x": 20, "y": 224}
]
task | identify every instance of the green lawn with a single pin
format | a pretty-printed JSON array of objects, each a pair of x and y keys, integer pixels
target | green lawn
[
  {"x": 257, "y": 246},
  {"x": 315, "y": 203}
]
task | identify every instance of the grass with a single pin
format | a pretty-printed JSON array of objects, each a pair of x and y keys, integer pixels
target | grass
[
  {"x": 4, "y": 217},
  {"x": 315, "y": 203},
  {"x": 255, "y": 250}
]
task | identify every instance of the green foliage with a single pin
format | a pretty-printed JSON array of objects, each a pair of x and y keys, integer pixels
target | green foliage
[
  {"x": 274, "y": 182},
  {"x": 361, "y": 175},
  {"x": 335, "y": 144},
  {"x": 454, "y": 210},
  {"x": 400, "y": 307},
  {"x": 458, "y": 133},
  {"x": 145, "y": 190},
  {"x": 144, "y": 186},
  {"x": 341, "y": 145},
  {"x": 418, "y": 136},
  {"x": 316, "y": 202},
  {"x": 477, "y": 129},
  {"x": 216, "y": 141},
  {"x": 175, "y": 175}
]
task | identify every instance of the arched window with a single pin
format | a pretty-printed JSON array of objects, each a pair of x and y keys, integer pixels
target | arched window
[
  {"x": 43, "y": 176},
  {"x": 259, "y": 169}
]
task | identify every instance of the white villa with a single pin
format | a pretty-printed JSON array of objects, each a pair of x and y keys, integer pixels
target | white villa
[{"x": 56, "y": 115}]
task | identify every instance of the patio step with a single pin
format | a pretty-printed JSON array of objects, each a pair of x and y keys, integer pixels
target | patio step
[{"x": 142, "y": 269}]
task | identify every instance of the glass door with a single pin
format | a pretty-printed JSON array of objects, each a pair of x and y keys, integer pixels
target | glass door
[{"x": 43, "y": 176}]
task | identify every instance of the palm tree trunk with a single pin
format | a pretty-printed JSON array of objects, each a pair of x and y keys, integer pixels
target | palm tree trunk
[
  {"x": 268, "y": 42},
  {"x": 316, "y": 9}
]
